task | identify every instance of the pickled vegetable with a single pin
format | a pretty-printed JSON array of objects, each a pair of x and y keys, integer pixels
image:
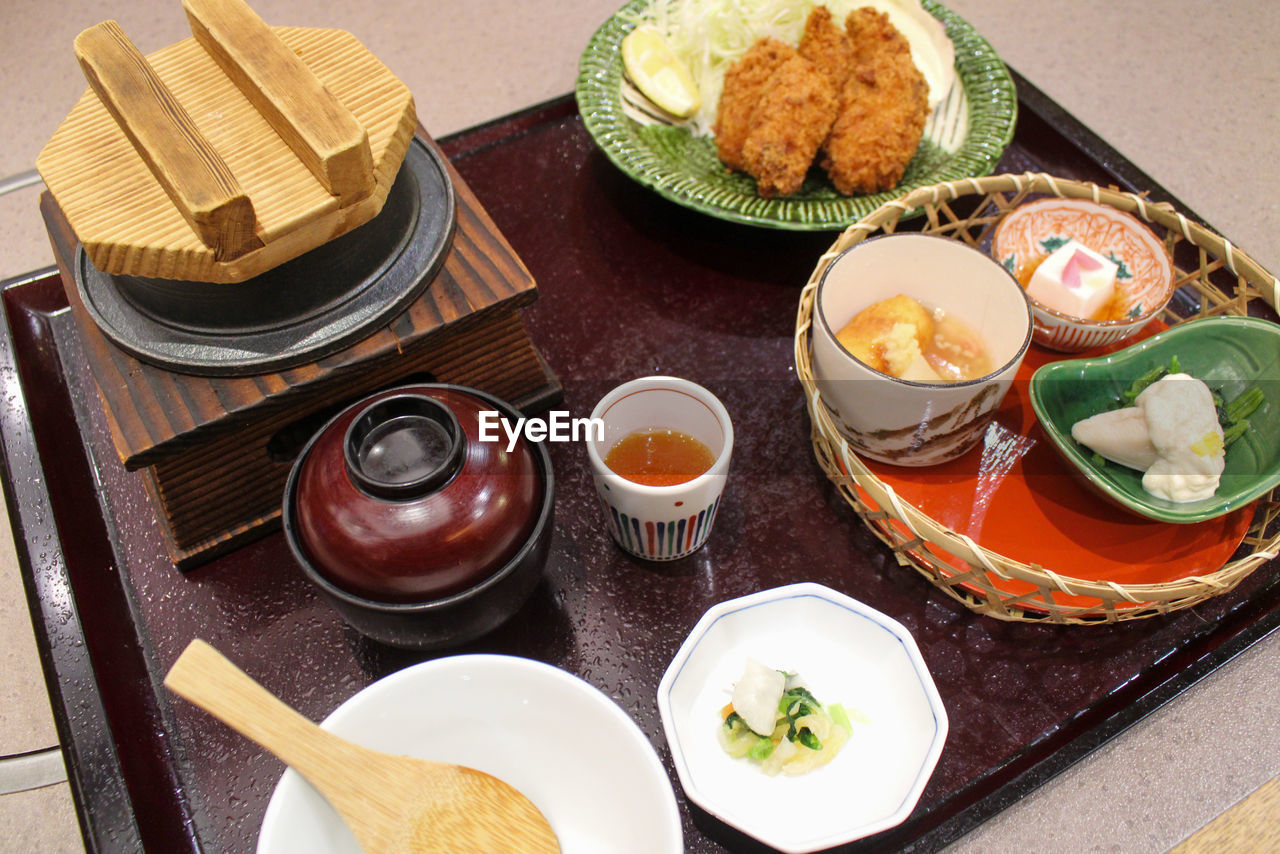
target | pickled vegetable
[{"x": 780, "y": 725}]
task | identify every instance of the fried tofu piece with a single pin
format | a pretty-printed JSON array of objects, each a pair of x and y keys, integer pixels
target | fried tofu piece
[
  {"x": 744, "y": 85},
  {"x": 875, "y": 334},
  {"x": 788, "y": 126},
  {"x": 827, "y": 46},
  {"x": 883, "y": 107}
]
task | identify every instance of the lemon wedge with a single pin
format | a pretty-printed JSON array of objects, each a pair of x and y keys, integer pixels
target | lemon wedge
[{"x": 656, "y": 71}]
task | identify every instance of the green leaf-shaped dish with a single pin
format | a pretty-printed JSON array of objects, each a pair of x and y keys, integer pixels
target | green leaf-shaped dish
[
  {"x": 975, "y": 124},
  {"x": 1229, "y": 354}
]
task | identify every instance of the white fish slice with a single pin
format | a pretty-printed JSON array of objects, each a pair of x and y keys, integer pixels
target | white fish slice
[{"x": 1120, "y": 435}]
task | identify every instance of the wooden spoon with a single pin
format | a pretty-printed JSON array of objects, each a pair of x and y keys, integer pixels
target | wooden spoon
[{"x": 391, "y": 803}]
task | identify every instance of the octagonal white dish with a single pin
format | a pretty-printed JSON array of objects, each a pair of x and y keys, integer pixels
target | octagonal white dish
[
  {"x": 846, "y": 652},
  {"x": 553, "y": 736}
]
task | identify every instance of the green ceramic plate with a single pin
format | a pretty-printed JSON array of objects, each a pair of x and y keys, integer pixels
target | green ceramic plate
[
  {"x": 1229, "y": 354},
  {"x": 964, "y": 138}
]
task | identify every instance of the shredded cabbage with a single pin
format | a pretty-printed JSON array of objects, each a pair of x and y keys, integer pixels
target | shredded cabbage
[{"x": 710, "y": 35}]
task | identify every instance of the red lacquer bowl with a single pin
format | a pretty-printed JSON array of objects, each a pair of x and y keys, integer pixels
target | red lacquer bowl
[{"x": 398, "y": 511}]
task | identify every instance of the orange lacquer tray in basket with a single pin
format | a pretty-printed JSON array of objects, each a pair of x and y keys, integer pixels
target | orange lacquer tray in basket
[{"x": 1015, "y": 495}]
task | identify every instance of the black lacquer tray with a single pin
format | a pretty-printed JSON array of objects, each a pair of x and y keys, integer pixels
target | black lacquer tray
[{"x": 630, "y": 284}]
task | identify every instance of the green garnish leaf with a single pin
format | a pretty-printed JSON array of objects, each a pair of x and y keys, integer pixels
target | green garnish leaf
[
  {"x": 1244, "y": 405},
  {"x": 803, "y": 694},
  {"x": 1140, "y": 384},
  {"x": 761, "y": 750},
  {"x": 1234, "y": 416},
  {"x": 1235, "y": 431},
  {"x": 808, "y": 739}
]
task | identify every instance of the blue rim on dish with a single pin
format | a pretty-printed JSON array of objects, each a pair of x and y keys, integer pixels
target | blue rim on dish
[
  {"x": 1227, "y": 353},
  {"x": 685, "y": 168}
]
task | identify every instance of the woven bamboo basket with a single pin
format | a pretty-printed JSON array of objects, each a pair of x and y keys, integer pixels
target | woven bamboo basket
[{"x": 1219, "y": 278}]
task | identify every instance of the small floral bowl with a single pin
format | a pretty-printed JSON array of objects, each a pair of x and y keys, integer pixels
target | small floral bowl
[{"x": 1144, "y": 281}]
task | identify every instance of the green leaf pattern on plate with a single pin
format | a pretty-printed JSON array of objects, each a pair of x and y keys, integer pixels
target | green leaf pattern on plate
[
  {"x": 1122, "y": 270},
  {"x": 1051, "y": 245}
]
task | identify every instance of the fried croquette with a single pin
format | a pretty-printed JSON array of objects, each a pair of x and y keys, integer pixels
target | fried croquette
[
  {"x": 744, "y": 85},
  {"x": 791, "y": 120},
  {"x": 883, "y": 107},
  {"x": 776, "y": 99},
  {"x": 827, "y": 46}
]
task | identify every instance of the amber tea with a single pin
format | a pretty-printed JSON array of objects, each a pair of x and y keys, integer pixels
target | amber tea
[{"x": 659, "y": 457}]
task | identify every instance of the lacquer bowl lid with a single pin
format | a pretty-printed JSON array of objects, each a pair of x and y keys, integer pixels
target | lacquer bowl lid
[{"x": 397, "y": 499}]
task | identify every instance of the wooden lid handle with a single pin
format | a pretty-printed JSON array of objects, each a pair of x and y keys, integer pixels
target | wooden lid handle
[
  {"x": 182, "y": 160},
  {"x": 322, "y": 133}
]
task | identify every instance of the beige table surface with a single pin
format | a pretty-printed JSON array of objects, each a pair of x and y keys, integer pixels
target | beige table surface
[{"x": 1186, "y": 90}]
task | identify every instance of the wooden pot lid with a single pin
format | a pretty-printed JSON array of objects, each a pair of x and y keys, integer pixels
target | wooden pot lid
[
  {"x": 292, "y": 315},
  {"x": 226, "y": 154}
]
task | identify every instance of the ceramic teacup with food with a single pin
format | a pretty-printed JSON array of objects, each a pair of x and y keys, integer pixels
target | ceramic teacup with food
[{"x": 916, "y": 341}]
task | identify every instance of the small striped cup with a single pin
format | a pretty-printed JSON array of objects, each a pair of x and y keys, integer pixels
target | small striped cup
[{"x": 661, "y": 522}]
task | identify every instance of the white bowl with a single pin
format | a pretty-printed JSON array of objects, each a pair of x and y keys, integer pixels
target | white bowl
[
  {"x": 900, "y": 421},
  {"x": 574, "y": 752},
  {"x": 845, "y": 652}
]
